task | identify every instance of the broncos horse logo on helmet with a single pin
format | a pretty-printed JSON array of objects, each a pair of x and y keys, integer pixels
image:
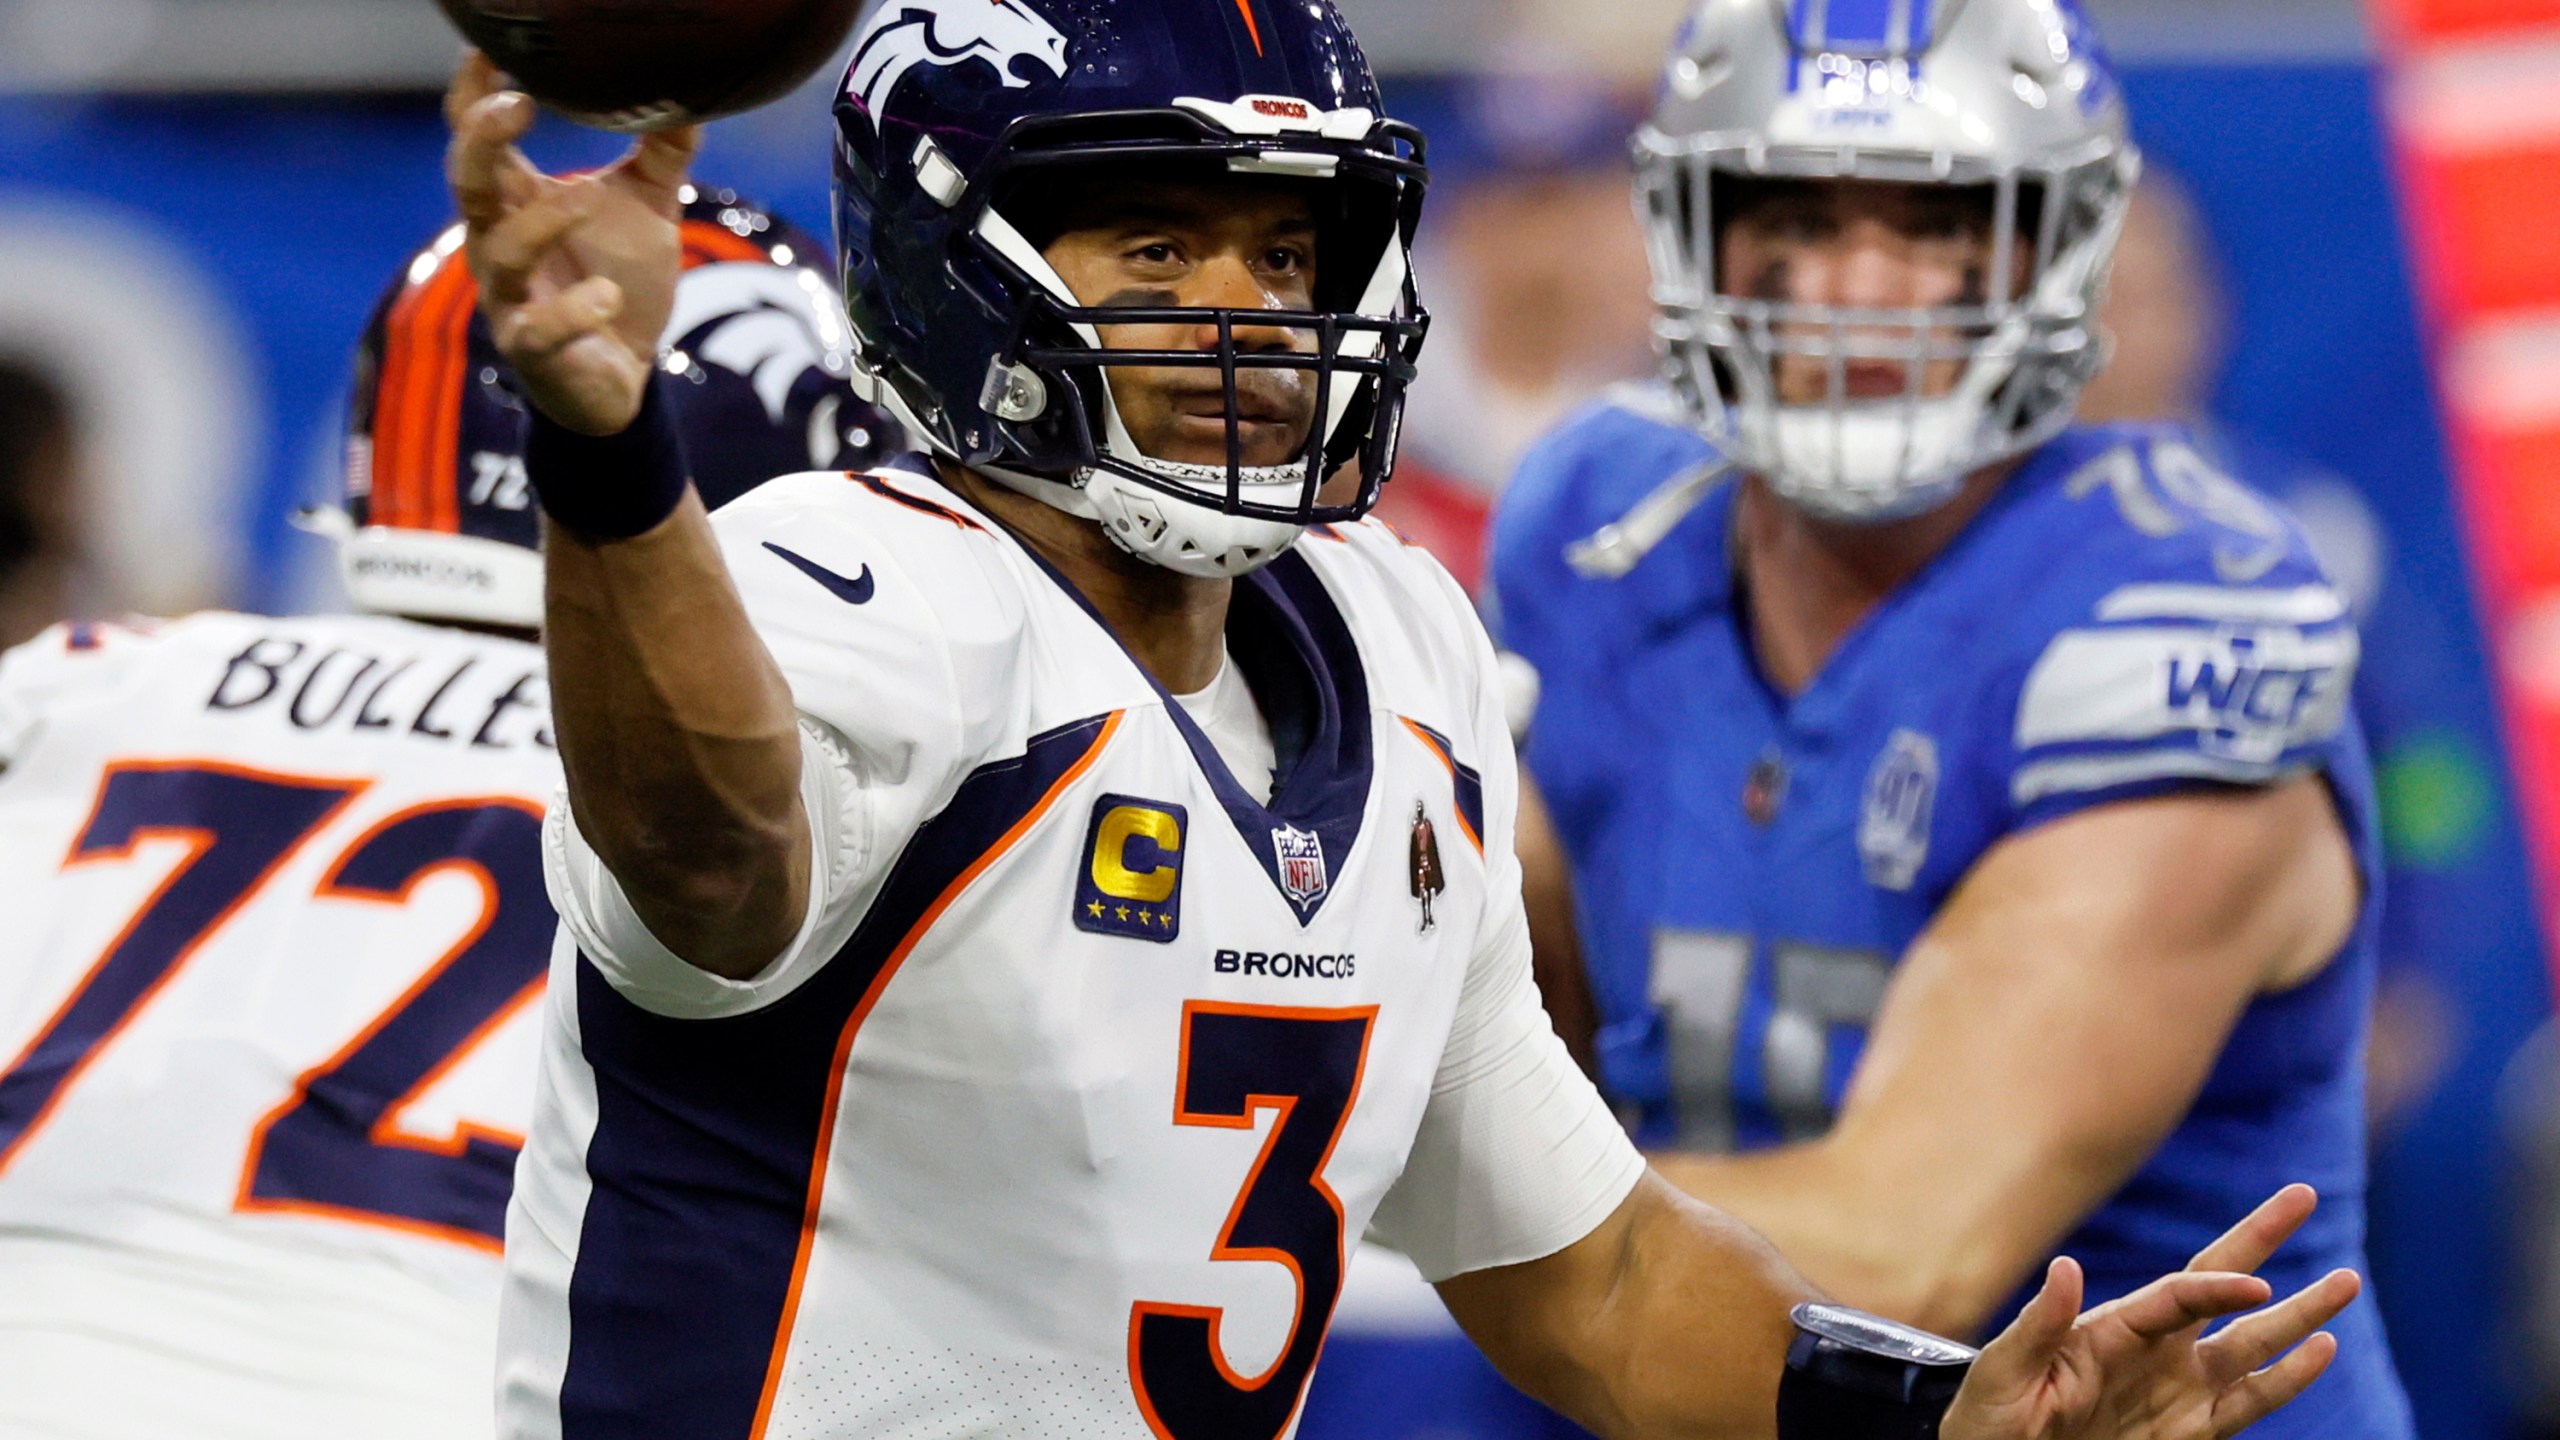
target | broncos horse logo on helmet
[
  {"x": 964, "y": 330},
  {"x": 905, "y": 34},
  {"x": 438, "y": 521}
]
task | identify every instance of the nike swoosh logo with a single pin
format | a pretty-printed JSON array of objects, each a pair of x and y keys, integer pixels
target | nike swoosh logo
[{"x": 855, "y": 591}]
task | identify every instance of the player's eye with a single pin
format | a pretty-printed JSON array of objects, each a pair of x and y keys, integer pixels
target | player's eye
[
  {"x": 1948, "y": 224},
  {"x": 1285, "y": 260},
  {"x": 1800, "y": 223},
  {"x": 1156, "y": 252}
]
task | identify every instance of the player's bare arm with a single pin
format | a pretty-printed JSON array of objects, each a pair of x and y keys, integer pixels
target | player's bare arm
[
  {"x": 1556, "y": 952},
  {"x": 1669, "y": 1321},
  {"x": 675, "y": 727},
  {"x": 2041, "y": 1039}
]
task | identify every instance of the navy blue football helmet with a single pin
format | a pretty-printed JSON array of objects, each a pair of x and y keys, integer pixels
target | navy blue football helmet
[
  {"x": 955, "y": 114},
  {"x": 439, "y": 523}
]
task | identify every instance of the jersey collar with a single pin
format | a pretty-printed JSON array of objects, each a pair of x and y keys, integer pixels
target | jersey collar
[{"x": 1297, "y": 652}]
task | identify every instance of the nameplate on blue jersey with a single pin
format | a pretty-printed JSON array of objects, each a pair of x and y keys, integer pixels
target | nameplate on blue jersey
[{"x": 1131, "y": 881}]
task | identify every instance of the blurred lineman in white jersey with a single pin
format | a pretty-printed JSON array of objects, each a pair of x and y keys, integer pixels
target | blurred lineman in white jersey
[{"x": 275, "y": 927}]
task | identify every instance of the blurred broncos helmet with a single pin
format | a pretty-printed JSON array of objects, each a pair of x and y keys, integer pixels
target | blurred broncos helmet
[
  {"x": 439, "y": 523},
  {"x": 952, "y": 110},
  {"x": 2012, "y": 97}
]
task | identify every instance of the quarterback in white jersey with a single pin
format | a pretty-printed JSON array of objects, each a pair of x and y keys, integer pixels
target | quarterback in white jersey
[
  {"x": 276, "y": 928},
  {"x": 1116, "y": 1009},
  {"x": 1027, "y": 912}
]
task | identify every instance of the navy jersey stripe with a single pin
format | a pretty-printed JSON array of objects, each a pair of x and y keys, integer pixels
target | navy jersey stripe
[
  {"x": 706, "y": 1164},
  {"x": 1466, "y": 783}
]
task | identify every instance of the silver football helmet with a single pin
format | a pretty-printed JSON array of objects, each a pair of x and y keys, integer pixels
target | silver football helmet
[{"x": 2012, "y": 96}]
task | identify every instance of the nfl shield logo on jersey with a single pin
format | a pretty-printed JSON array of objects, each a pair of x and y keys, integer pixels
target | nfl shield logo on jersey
[
  {"x": 1301, "y": 856},
  {"x": 1902, "y": 796}
]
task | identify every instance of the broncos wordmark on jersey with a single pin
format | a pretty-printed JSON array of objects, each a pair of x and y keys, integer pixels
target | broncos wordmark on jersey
[{"x": 2122, "y": 620}]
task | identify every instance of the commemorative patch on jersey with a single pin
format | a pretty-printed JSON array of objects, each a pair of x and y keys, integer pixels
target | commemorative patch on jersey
[
  {"x": 1427, "y": 875},
  {"x": 1901, "y": 801},
  {"x": 1301, "y": 856},
  {"x": 1131, "y": 882}
]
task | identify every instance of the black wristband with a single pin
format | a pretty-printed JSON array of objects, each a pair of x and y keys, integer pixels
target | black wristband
[
  {"x": 1852, "y": 1376},
  {"x": 610, "y": 487}
]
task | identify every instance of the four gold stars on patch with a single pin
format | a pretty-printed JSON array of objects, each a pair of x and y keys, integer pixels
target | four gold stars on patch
[{"x": 1095, "y": 908}]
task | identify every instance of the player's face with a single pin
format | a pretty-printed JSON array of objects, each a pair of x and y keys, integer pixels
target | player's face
[
  {"x": 1236, "y": 245},
  {"x": 1860, "y": 244}
]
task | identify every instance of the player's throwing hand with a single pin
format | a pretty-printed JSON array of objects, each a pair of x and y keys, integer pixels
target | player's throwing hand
[
  {"x": 577, "y": 275},
  {"x": 2142, "y": 1368}
]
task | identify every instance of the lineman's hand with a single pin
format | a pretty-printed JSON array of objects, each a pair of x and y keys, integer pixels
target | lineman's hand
[
  {"x": 2142, "y": 1368},
  {"x": 577, "y": 275}
]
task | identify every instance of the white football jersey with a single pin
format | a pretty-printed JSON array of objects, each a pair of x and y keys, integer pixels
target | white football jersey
[
  {"x": 274, "y": 940},
  {"x": 1087, "y": 1068}
]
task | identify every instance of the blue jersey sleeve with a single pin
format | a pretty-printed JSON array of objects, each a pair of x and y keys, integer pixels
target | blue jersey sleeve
[
  {"x": 1571, "y": 625},
  {"x": 1591, "y": 472},
  {"x": 2189, "y": 638}
]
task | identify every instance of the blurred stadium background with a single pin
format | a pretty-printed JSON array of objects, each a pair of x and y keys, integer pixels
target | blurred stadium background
[{"x": 2350, "y": 257}]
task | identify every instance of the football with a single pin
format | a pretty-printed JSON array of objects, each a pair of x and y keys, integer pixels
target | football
[{"x": 633, "y": 65}]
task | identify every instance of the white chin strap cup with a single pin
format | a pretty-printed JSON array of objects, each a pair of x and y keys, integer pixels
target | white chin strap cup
[
  {"x": 1882, "y": 464},
  {"x": 1184, "y": 536}
]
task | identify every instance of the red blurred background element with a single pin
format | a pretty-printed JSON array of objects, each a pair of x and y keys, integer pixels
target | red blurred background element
[{"x": 2474, "y": 106}]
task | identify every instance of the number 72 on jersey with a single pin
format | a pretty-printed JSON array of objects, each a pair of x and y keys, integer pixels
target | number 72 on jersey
[{"x": 332, "y": 1145}]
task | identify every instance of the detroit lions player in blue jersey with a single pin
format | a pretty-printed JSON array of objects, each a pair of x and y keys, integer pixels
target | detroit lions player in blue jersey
[{"x": 1967, "y": 823}]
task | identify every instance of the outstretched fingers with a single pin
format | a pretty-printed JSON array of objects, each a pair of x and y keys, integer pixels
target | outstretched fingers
[
  {"x": 509, "y": 252},
  {"x": 2269, "y": 1390},
  {"x": 488, "y": 174},
  {"x": 662, "y": 159},
  {"x": 2019, "y": 1356},
  {"x": 545, "y": 327},
  {"x": 474, "y": 80},
  {"x": 2185, "y": 1300},
  {"x": 2246, "y": 1246},
  {"x": 2245, "y": 1345}
]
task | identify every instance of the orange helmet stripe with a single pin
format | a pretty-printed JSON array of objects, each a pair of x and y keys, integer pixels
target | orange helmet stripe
[
  {"x": 706, "y": 243},
  {"x": 426, "y": 365},
  {"x": 417, "y": 429}
]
